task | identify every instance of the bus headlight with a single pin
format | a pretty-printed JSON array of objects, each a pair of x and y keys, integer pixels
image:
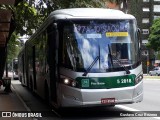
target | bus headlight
[
  {"x": 69, "y": 82},
  {"x": 66, "y": 81},
  {"x": 138, "y": 79}
]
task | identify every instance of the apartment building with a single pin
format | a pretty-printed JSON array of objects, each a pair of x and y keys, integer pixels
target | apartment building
[
  {"x": 145, "y": 11},
  {"x": 151, "y": 11}
]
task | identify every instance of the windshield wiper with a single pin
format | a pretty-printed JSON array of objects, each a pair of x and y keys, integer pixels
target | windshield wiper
[
  {"x": 110, "y": 56},
  {"x": 118, "y": 61},
  {"x": 90, "y": 67}
]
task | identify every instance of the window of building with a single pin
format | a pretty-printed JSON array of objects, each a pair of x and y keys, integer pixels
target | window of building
[
  {"x": 144, "y": 42},
  {"x": 156, "y": 8},
  {"x": 145, "y": 0},
  {"x": 156, "y": 0},
  {"x": 145, "y": 20},
  {"x": 145, "y": 31},
  {"x": 155, "y": 17},
  {"x": 145, "y": 9}
]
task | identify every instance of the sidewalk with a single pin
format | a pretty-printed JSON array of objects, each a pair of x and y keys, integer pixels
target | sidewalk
[
  {"x": 10, "y": 103},
  {"x": 148, "y": 77}
]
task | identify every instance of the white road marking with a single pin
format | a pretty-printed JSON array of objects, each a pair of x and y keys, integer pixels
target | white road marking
[{"x": 132, "y": 109}]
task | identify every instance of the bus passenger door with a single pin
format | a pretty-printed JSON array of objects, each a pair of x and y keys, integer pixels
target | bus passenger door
[{"x": 51, "y": 59}]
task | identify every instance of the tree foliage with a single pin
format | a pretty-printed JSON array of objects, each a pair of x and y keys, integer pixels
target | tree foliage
[
  {"x": 13, "y": 47},
  {"x": 30, "y": 14},
  {"x": 154, "y": 37},
  {"x": 115, "y": 1}
]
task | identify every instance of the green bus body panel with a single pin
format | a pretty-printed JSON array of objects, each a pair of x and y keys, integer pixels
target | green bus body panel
[{"x": 106, "y": 82}]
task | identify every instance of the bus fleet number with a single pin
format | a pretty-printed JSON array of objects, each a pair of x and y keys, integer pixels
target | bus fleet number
[{"x": 124, "y": 81}]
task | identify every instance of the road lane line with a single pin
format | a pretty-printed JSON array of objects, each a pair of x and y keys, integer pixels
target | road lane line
[{"x": 133, "y": 110}]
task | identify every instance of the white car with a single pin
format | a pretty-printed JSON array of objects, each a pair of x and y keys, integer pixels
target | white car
[{"x": 155, "y": 71}]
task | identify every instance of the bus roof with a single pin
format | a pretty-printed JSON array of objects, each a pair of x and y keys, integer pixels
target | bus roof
[
  {"x": 95, "y": 13},
  {"x": 85, "y": 13}
]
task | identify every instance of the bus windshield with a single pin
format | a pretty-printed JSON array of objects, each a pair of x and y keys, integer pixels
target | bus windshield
[{"x": 114, "y": 41}]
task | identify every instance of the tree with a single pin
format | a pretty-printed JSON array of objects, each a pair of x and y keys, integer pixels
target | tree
[
  {"x": 26, "y": 19},
  {"x": 16, "y": 25},
  {"x": 13, "y": 47},
  {"x": 154, "y": 37},
  {"x": 29, "y": 14}
]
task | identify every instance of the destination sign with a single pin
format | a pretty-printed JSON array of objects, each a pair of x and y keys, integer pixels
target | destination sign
[{"x": 105, "y": 27}]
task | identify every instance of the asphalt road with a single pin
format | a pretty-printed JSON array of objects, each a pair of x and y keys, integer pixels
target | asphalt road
[
  {"x": 150, "y": 104},
  {"x": 151, "y": 100}
]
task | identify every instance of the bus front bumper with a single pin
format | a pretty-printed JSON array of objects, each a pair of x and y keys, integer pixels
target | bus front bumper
[{"x": 74, "y": 97}]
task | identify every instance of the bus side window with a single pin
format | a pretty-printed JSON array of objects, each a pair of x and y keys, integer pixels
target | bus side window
[{"x": 67, "y": 48}]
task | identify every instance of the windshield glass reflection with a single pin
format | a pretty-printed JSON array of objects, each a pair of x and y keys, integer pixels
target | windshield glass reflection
[{"x": 84, "y": 41}]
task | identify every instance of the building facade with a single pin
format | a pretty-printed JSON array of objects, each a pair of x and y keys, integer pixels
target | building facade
[{"x": 145, "y": 11}]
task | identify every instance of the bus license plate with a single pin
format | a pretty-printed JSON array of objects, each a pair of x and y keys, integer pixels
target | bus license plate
[{"x": 107, "y": 100}]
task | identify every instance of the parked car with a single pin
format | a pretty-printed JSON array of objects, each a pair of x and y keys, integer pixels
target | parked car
[{"x": 155, "y": 71}]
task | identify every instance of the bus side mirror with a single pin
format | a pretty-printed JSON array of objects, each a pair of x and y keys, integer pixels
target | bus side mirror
[
  {"x": 55, "y": 26},
  {"x": 139, "y": 37}
]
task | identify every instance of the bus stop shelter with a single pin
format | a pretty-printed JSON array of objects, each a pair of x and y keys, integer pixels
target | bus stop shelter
[{"x": 7, "y": 27}]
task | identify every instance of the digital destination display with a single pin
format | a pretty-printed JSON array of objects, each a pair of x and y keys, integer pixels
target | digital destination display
[{"x": 110, "y": 29}]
